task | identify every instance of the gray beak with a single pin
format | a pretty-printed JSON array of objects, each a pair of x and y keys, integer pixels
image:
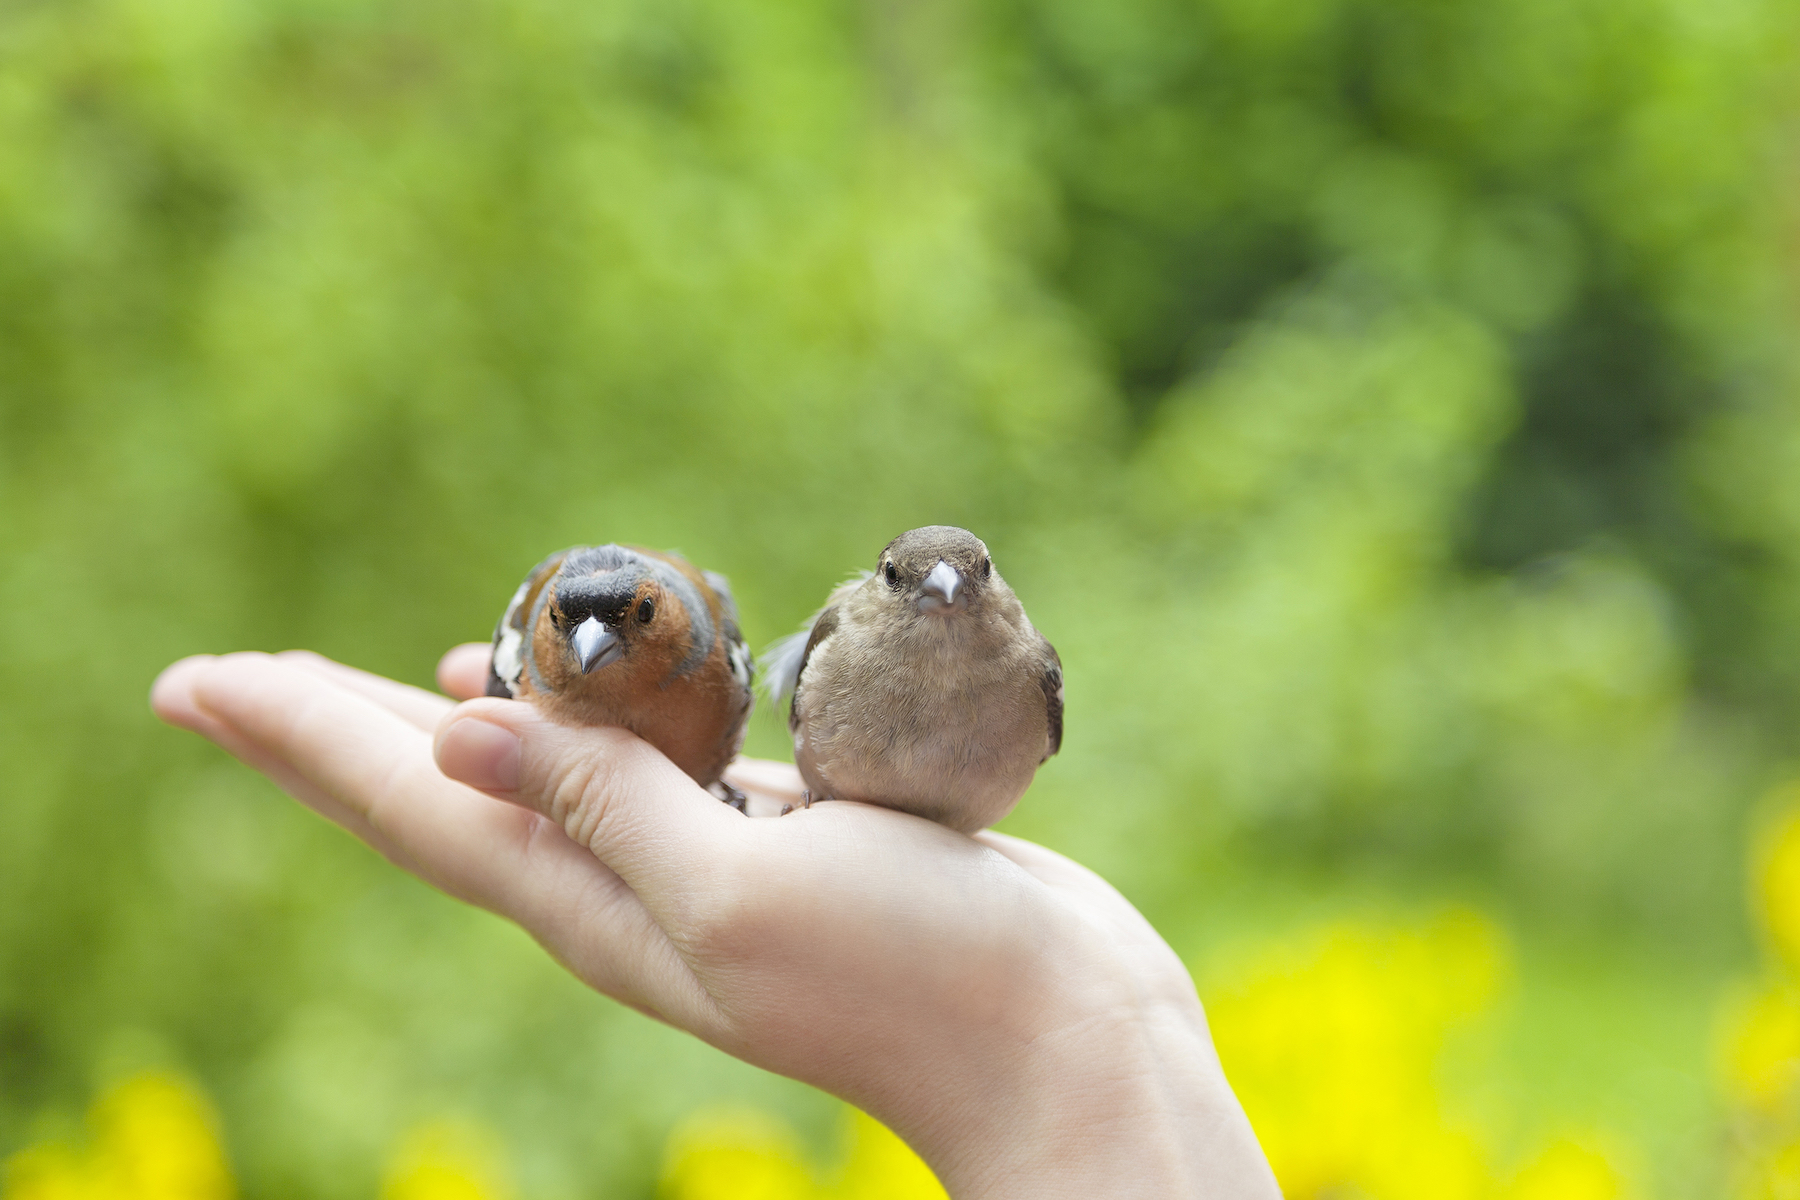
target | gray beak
[
  {"x": 595, "y": 645},
  {"x": 940, "y": 588}
]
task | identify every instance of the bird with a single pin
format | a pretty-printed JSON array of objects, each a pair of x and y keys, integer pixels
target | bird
[
  {"x": 922, "y": 686},
  {"x": 620, "y": 635}
]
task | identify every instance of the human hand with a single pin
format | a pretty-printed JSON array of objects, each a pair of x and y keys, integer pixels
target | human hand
[{"x": 1000, "y": 1007}]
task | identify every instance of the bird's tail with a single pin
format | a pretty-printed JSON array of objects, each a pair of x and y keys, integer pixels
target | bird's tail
[{"x": 779, "y": 665}]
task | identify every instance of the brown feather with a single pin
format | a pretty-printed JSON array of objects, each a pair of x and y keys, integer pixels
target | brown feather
[{"x": 695, "y": 717}]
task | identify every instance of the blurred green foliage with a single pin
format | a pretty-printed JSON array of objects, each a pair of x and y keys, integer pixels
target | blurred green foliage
[{"x": 1387, "y": 407}]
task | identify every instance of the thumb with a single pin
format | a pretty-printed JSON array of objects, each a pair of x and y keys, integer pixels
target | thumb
[{"x": 607, "y": 788}]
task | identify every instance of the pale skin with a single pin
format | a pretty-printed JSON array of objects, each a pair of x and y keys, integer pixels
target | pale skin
[{"x": 997, "y": 1005}]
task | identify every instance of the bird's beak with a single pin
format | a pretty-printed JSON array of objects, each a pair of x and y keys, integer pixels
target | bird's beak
[
  {"x": 940, "y": 588},
  {"x": 595, "y": 645}
]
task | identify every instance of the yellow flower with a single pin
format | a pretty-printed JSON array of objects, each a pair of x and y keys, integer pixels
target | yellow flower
[
  {"x": 1332, "y": 1042},
  {"x": 1567, "y": 1171},
  {"x": 1780, "y": 1178},
  {"x": 446, "y": 1160},
  {"x": 154, "y": 1138},
  {"x": 742, "y": 1154},
  {"x": 1778, "y": 880},
  {"x": 1759, "y": 1056},
  {"x": 160, "y": 1138},
  {"x": 879, "y": 1166},
  {"x": 735, "y": 1154}
]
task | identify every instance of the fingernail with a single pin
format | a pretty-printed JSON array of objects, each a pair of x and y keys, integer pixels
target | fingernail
[{"x": 480, "y": 754}]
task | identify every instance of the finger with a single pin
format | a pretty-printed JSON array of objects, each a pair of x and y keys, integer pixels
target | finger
[
  {"x": 463, "y": 672},
  {"x": 421, "y": 708},
  {"x": 357, "y": 755},
  {"x": 360, "y": 757},
  {"x": 172, "y": 699},
  {"x": 363, "y": 765},
  {"x": 607, "y": 788}
]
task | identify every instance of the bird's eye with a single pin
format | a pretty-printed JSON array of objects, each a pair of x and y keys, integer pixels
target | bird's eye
[
  {"x": 646, "y": 610},
  {"x": 987, "y": 567},
  {"x": 893, "y": 576}
]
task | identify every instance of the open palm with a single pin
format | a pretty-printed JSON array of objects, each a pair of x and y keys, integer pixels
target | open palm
[{"x": 1001, "y": 1007}]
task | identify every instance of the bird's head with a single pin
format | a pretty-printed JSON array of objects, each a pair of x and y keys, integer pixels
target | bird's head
[
  {"x": 939, "y": 571},
  {"x": 611, "y": 604}
]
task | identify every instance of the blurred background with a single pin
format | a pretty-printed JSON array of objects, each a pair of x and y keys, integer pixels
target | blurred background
[{"x": 1389, "y": 409}]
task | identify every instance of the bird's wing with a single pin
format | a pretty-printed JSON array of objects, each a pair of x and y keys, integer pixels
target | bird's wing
[
  {"x": 737, "y": 651},
  {"x": 1051, "y": 680},
  {"x": 511, "y": 635},
  {"x": 823, "y": 626}
]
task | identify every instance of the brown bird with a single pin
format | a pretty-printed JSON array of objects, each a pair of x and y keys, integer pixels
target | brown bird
[
  {"x": 923, "y": 687},
  {"x": 616, "y": 635}
]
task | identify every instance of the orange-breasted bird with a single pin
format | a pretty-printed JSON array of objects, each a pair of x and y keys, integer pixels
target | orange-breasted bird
[
  {"x": 922, "y": 686},
  {"x": 617, "y": 635}
]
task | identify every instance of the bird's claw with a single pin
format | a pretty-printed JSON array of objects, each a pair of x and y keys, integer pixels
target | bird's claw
[
  {"x": 735, "y": 798},
  {"x": 806, "y": 801}
]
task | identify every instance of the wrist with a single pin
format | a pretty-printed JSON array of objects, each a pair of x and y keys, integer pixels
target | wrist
[{"x": 1118, "y": 1099}]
